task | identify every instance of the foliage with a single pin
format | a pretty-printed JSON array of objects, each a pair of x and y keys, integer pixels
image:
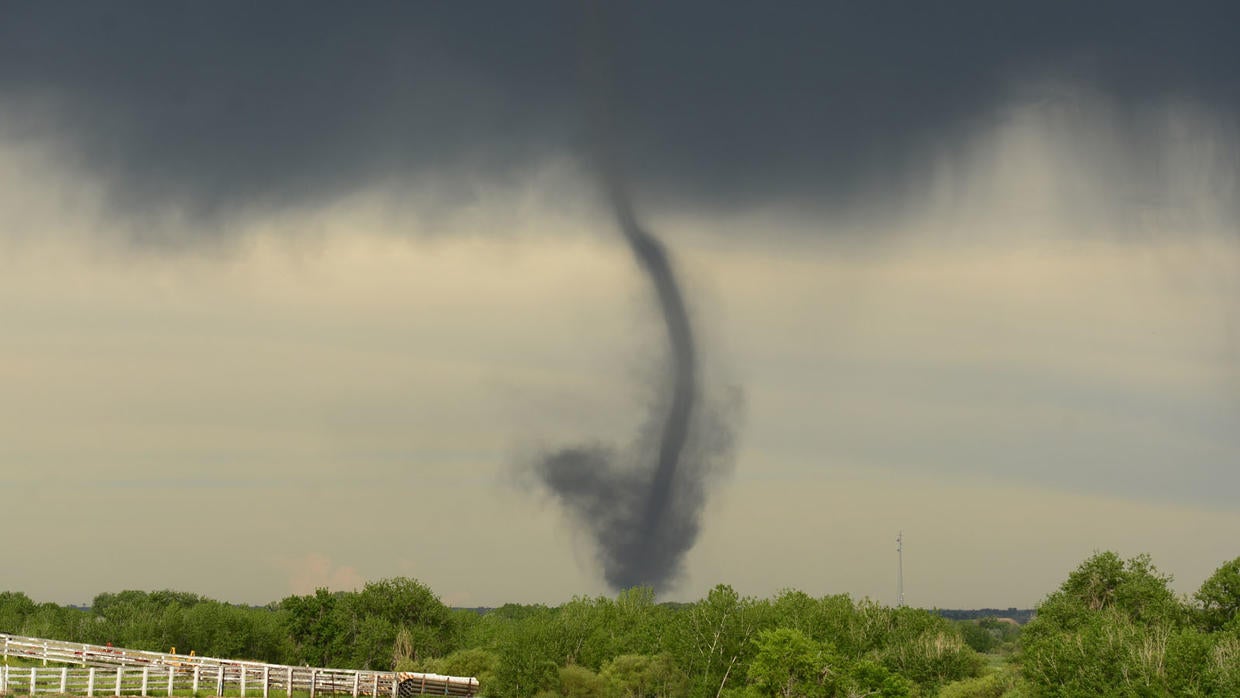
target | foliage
[
  {"x": 998, "y": 684},
  {"x": 15, "y": 607},
  {"x": 644, "y": 676},
  {"x": 1219, "y": 598},
  {"x": 475, "y": 662},
  {"x": 529, "y": 651},
  {"x": 990, "y": 634},
  {"x": 713, "y": 639},
  {"x": 790, "y": 664},
  {"x": 361, "y": 629},
  {"x": 1113, "y": 628},
  {"x": 580, "y": 682},
  {"x": 1134, "y": 587},
  {"x": 868, "y": 678}
]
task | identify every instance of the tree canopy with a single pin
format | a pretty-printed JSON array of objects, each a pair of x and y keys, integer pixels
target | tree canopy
[{"x": 1113, "y": 628}]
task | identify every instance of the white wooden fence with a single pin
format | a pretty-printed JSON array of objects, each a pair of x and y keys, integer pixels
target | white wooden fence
[{"x": 112, "y": 671}]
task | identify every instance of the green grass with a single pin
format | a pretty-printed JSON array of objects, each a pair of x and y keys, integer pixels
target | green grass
[{"x": 23, "y": 662}]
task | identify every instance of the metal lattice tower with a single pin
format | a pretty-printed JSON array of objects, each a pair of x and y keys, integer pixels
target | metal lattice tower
[{"x": 900, "y": 569}]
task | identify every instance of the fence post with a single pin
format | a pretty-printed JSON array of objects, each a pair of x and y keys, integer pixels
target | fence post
[
  {"x": 90, "y": 682},
  {"x": 172, "y": 671},
  {"x": 119, "y": 677},
  {"x": 146, "y": 677},
  {"x": 357, "y": 678},
  {"x": 44, "y": 653},
  {"x": 219, "y": 681},
  {"x": 288, "y": 687},
  {"x": 242, "y": 681},
  {"x": 266, "y": 680},
  {"x": 312, "y": 677},
  {"x": 197, "y": 673},
  {"x": 374, "y": 691},
  {"x": 64, "y": 680},
  {"x": 32, "y": 680},
  {"x": 4, "y": 675},
  {"x": 395, "y": 686}
]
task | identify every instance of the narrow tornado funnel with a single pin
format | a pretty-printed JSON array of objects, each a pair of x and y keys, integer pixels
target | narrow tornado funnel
[{"x": 641, "y": 504}]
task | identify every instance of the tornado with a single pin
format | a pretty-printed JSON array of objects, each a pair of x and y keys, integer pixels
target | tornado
[{"x": 641, "y": 504}]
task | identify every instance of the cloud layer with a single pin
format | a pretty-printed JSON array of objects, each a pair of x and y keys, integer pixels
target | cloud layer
[{"x": 210, "y": 109}]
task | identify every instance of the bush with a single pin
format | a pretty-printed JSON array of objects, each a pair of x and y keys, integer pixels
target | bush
[
  {"x": 868, "y": 678},
  {"x": 978, "y": 639},
  {"x": 644, "y": 676},
  {"x": 1004, "y": 683},
  {"x": 934, "y": 658},
  {"x": 989, "y": 686},
  {"x": 580, "y": 682}
]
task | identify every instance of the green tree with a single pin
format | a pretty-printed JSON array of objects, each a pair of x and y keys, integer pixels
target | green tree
[
  {"x": 318, "y": 625},
  {"x": 1135, "y": 587},
  {"x": 714, "y": 638},
  {"x": 791, "y": 665},
  {"x": 14, "y": 608},
  {"x": 829, "y": 619},
  {"x": 588, "y": 629},
  {"x": 1219, "y": 597},
  {"x": 1114, "y": 628},
  {"x": 641, "y": 625},
  {"x": 978, "y": 638},
  {"x": 529, "y": 651},
  {"x": 407, "y": 603},
  {"x": 49, "y": 620},
  {"x": 373, "y": 641}
]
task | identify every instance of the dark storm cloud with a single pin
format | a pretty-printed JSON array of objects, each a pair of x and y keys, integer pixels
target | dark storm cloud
[
  {"x": 212, "y": 105},
  {"x": 209, "y": 105}
]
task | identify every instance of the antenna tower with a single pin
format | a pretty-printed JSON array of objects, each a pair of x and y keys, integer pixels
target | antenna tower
[{"x": 900, "y": 569}]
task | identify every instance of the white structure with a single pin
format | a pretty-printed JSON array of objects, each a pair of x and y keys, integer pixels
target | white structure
[{"x": 112, "y": 671}]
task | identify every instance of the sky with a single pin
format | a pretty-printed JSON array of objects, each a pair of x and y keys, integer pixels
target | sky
[{"x": 293, "y": 296}]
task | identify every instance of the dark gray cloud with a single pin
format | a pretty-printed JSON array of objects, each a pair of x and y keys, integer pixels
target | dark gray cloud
[
  {"x": 210, "y": 106},
  {"x": 217, "y": 105}
]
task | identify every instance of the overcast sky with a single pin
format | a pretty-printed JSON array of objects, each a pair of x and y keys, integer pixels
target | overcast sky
[{"x": 289, "y": 293}]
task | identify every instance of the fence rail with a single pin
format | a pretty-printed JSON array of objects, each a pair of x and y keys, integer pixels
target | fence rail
[{"x": 112, "y": 671}]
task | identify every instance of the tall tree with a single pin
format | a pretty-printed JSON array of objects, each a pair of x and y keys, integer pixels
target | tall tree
[{"x": 1219, "y": 597}]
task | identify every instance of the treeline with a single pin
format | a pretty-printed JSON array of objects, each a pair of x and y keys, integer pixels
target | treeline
[
  {"x": 1114, "y": 628},
  {"x": 628, "y": 646},
  {"x": 356, "y": 629},
  {"x": 1020, "y": 615}
]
